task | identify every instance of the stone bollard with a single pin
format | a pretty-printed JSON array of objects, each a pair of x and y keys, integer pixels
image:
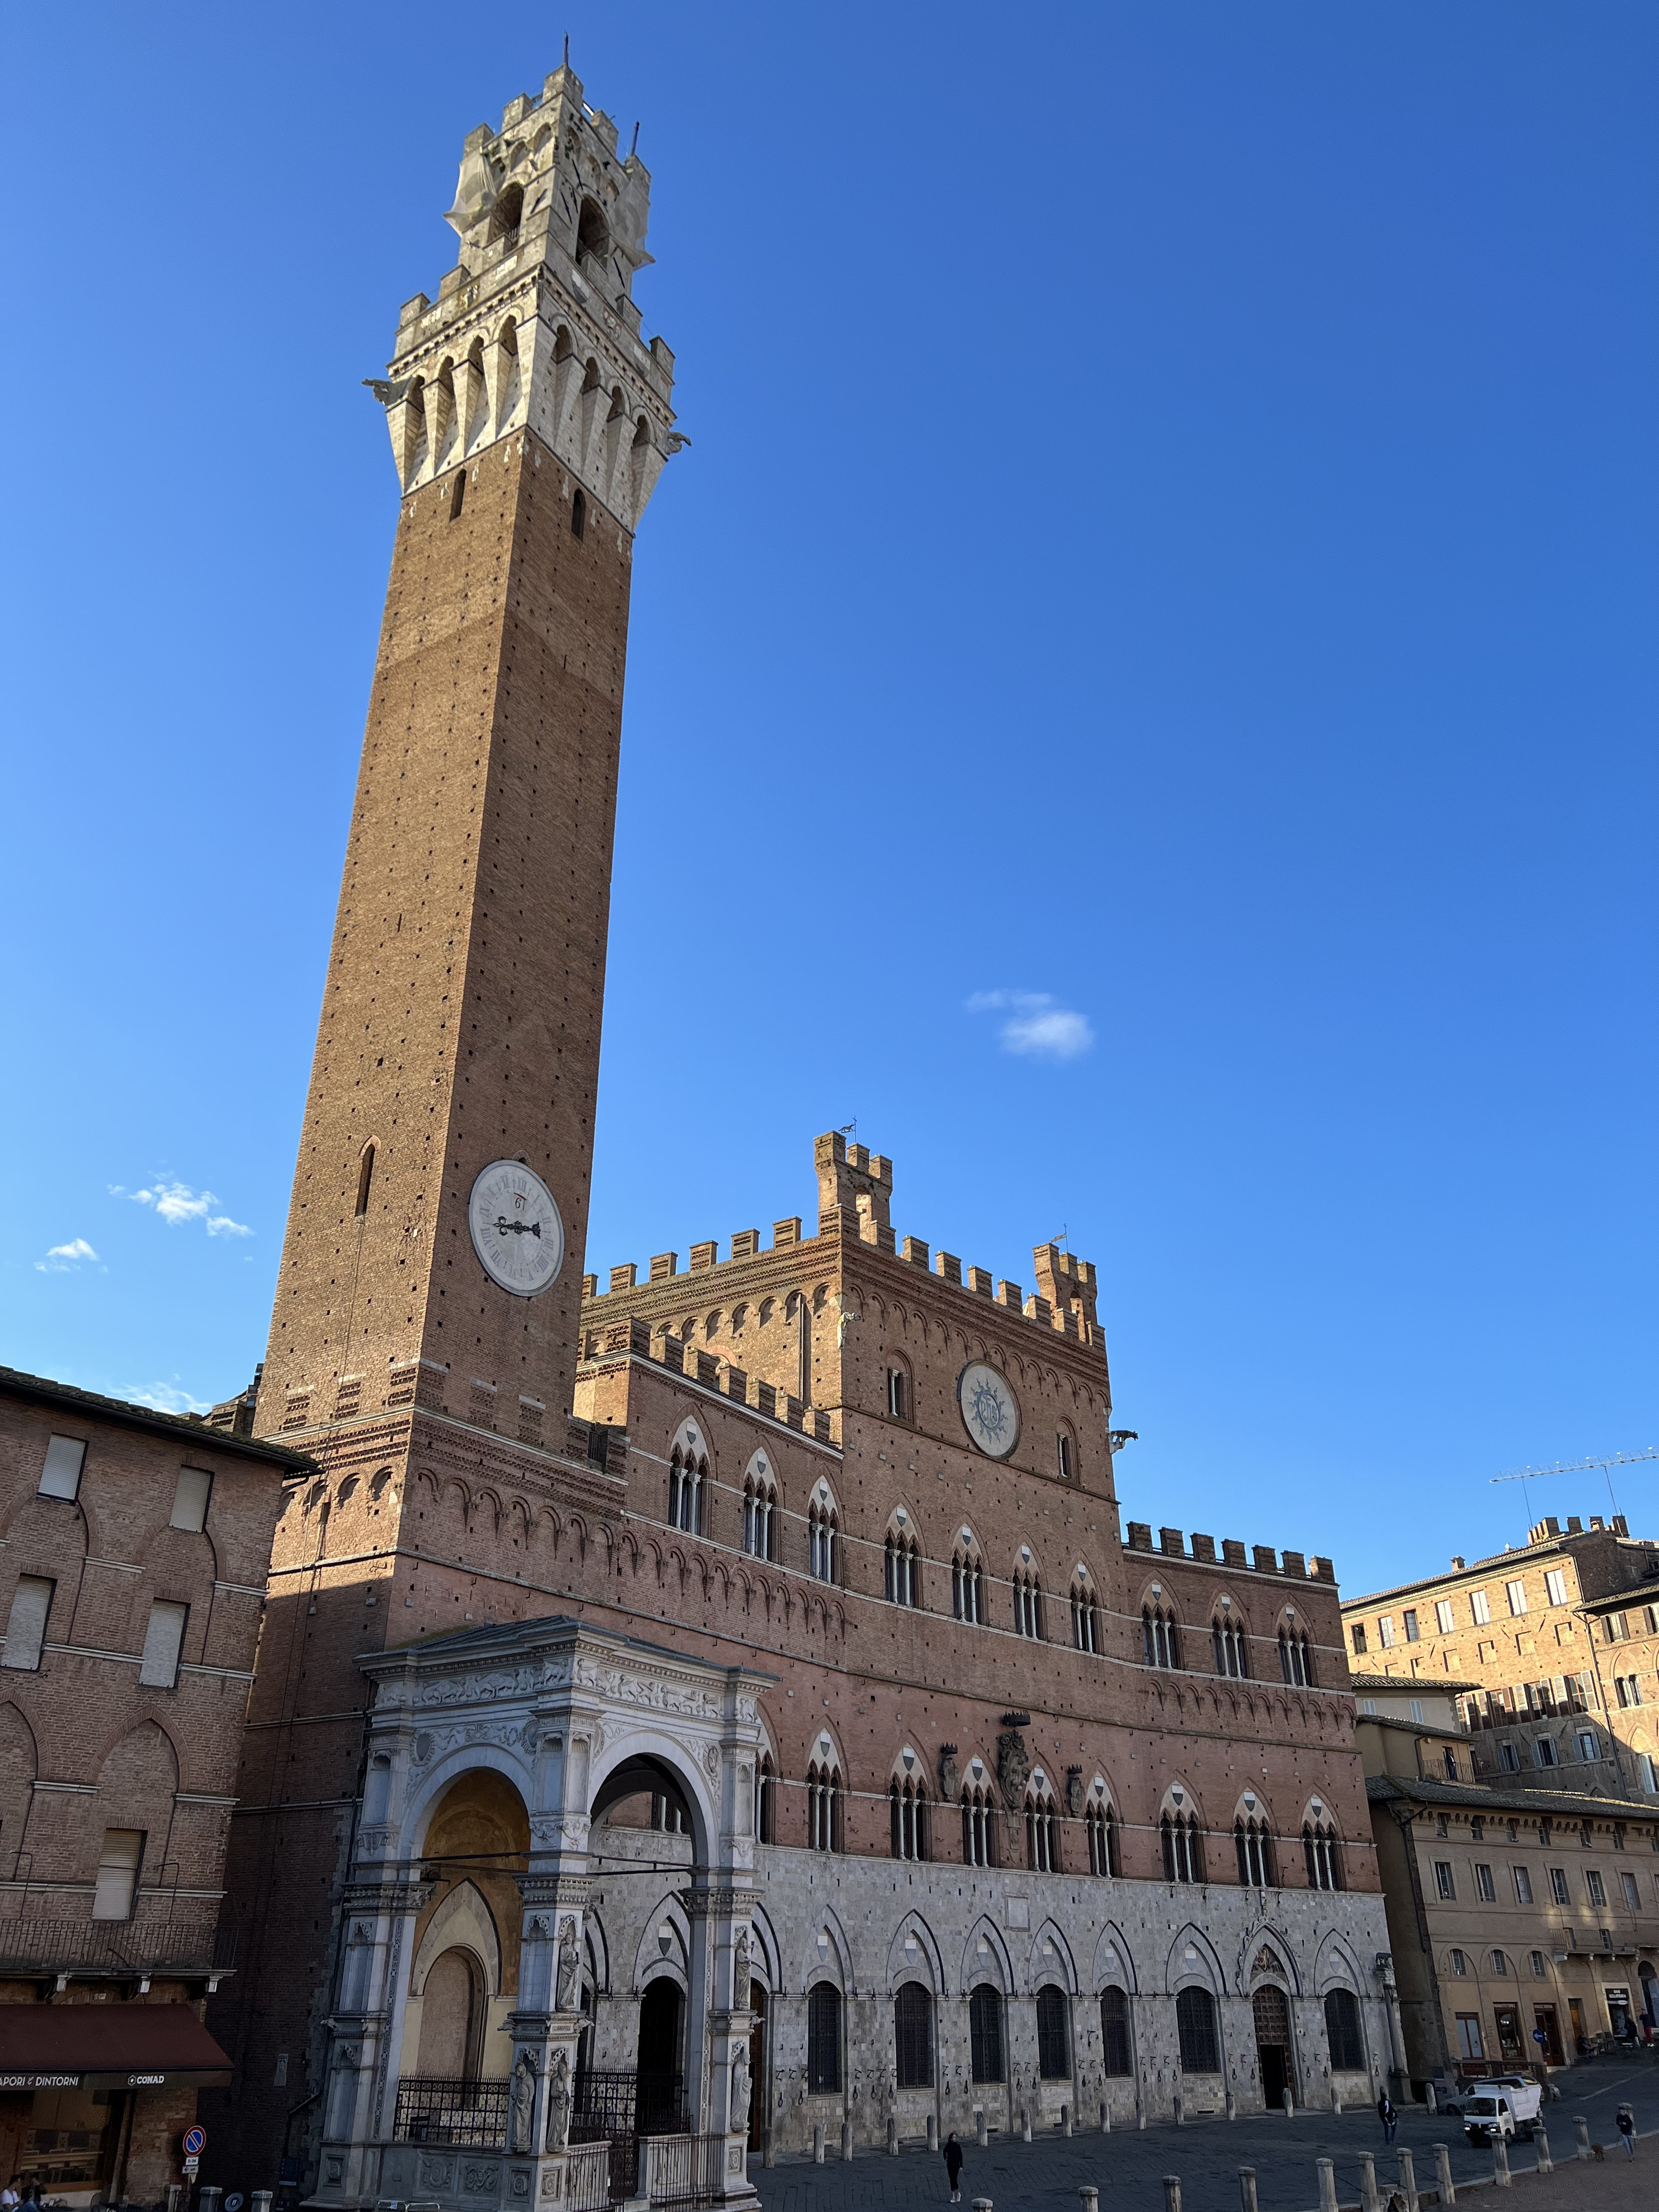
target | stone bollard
[
  {"x": 983, "y": 2126},
  {"x": 1024, "y": 2124},
  {"x": 846, "y": 2140},
  {"x": 1290, "y": 2104},
  {"x": 1442, "y": 2174},
  {"x": 932, "y": 2130},
  {"x": 892, "y": 2136},
  {"x": 175, "y": 2196},
  {"x": 981, "y": 2204},
  {"x": 1500, "y": 2162},
  {"x": 207, "y": 2200},
  {"x": 1336, "y": 2102},
  {"x": 1105, "y": 2117},
  {"x": 1232, "y": 2105},
  {"x": 262, "y": 2199},
  {"x": 1581, "y": 2128},
  {"x": 1541, "y": 2141},
  {"x": 1407, "y": 2181},
  {"x": 1327, "y": 2173},
  {"x": 817, "y": 2143},
  {"x": 1179, "y": 2109},
  {"x": 1065, "y": 2119},
  {"x": 1367, "y": 2182},
  {"x": 769, "y": 2149},
  {"x": 1246, "y": 2189},
  {"x": 1090, "y": 2199},
  {"x": 1172, "y": 2193}
]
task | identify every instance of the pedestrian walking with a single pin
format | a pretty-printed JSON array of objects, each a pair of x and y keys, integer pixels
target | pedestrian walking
[
  {"x": 953, "y": 2168},
  {"x": 1387, "y": 2114},
  {"x": 1625, "y": 2123}
]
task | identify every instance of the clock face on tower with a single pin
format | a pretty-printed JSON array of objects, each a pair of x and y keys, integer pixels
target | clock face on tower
[
  {"x": 516, "y": 1230},
  {"x": 990, "y": 1411}
]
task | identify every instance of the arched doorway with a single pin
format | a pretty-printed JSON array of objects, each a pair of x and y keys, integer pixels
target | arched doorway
[
  {"x": 453, "y": 2019},
  {"x": 659, "y": 2064},
  {"x": 759, "y": 2103},
  {"x": 1272, "y": 2043}
]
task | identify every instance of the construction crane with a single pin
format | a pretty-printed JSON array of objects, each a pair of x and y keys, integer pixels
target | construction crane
[{"x": 1605, "y": 1460}]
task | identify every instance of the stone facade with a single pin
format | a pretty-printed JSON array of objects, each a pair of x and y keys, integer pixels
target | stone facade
[
  {"x": 1001, "y": 1743},
  {"x": 132, "y": 1580}
]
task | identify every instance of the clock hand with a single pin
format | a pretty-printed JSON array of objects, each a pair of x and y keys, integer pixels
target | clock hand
[{"x": 506, "y": 1228}]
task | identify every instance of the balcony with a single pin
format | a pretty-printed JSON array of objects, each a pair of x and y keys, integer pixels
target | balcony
[{"x": 159, "y": 1943}]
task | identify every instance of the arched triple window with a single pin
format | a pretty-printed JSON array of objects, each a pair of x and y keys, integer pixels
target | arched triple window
[
  {"x": 1195, "y": 2025},
  {"x": 913, "y": 2036},
  {"x": 1160, "y": 1635},
  {"x": 1028, "y": 1598},
  {"x": 1085, "y": 1613},
  {"x": 1253, "y": 1841},
  {"x": 968, "y": 1583},
  {"x": 1042, "y": 1830},
  {"x": 978, "y": 1828},
  {"x": 1053, "y": 2037},
  {"x": 1342, "y": 2031},
  {"x": 1105, "y": 1846},
  {"x": 1116, "y": 2055},
  {"x": 985, "y": 2034},
  {"x": 1183, "y": 1847},
  {"x": 823, "y": 1807},
  {"x": 766, "y": 1790},
  {"x": 688, "y": 1473},
  {"x": 1230, "y": 1645},
  {"x": 823, "y": 1528},
  {"x": 760, "y": 1510},
  {"x": 907, "y": 1805},
  {"x": 1320, "y": 1852},
  {"x": 1296, "y": 1657},
  {"x": 822, "y": 2039},
  {"x": 902, "y": 1568}
]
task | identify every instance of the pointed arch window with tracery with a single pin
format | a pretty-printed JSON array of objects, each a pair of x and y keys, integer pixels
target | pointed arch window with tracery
[
  {"x": 1229, "y": 1644},
  {"x": 822, "y": 1532},
  {"x": 978, "y": 1826},
  {"x": 825, "y": 1806},
  {"x": 1041, "y": 1828},
  {"x": 1105, "y": 1839},
  {"x": 907, "y": 1810},
  {"x": 1296, "y": 1655},
  {"x": 1319, "y": 1854},
  {"x": 1254, "y": 1844},
  {"x": 1028, "y": 1598},
  {"x": 901, "y": 1563},
  {"x": 688, "y": 1476},
  {"x": 1184, "y": 1843},
  {"x": 1085, "y": 1613},
  {"x": 760, "y": 1508},
  {"x": 967, "y": 1581},
  {"x": 1160, "y": 1634}
]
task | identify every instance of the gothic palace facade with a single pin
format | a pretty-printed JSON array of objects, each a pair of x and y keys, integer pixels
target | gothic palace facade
[{"x": 723, "y": 1707}]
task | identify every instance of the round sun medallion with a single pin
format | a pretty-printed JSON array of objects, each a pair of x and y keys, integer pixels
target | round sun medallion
[{"x": 990, "y": 1411}]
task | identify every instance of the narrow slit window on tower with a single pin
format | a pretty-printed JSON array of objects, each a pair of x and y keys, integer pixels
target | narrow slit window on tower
[
  {"x": 365, "y": 1177},
  {"x": 579, "y": 514},
  {"x": 458, "y": 495}
]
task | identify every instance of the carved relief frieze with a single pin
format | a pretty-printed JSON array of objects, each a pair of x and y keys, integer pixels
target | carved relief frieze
[{"x": 651, "y": 1694}]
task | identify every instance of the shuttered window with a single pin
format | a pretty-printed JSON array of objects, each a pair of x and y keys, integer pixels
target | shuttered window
[
  {"x": 1053, "y": 2054},
  {"x": 913, "y": 2036},
  {"x": 985, "y": 2033},
  {"x": 118, "y": 1872},
  {"x": 163, "y": 1641},
  {"x": 26, "y": 1631},
  {"x": 190, "y": 1499},
  {"x": 1115, "y": 2031},
  {"x": 61, "y": 1475}
]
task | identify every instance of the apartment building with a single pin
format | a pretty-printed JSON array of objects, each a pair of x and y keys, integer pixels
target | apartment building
[{"x": 1547, "y": 1649}]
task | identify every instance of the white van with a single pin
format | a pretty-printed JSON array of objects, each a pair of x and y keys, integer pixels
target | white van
[{"x": 1502, "y": 2108}]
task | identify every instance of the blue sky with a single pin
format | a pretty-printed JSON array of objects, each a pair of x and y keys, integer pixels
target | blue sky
[{"x": 1142, "y": 690}]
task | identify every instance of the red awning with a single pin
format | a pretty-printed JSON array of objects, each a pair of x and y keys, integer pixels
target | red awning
[{"x": 127, "y": 2045}]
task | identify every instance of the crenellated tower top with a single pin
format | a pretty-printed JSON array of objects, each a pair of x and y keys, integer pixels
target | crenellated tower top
[{"x": 535, "y": 327}]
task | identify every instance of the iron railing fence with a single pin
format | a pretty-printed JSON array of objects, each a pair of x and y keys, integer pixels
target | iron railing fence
[
  {"x": 118, "y": 1947},
  {"x": 610, "y": 2103},
  {"x": 685, "y": 2170},
  {"x": 431, "y": 2110},
  {"x": 588, "y": 2178}
]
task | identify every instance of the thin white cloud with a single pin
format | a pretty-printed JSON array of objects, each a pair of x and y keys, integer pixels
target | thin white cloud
[
  {"x": 65, "y": 1259},
  {"x": 167, "y": 1398},
  {"x": 177, "y": 1202},
  {"x": 1037, "y": 1027}
]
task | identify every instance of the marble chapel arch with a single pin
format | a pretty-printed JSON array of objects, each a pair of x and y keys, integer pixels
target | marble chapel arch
[{"x": 723, "y": 1707}]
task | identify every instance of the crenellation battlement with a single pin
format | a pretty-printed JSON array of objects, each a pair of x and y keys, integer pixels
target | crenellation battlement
[
  {"x": 856, "y": 1190},
  {"x": 1264, "y": 1560}
]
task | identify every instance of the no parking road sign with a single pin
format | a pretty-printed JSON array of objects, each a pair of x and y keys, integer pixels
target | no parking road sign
[{"x": 195, "y": 2142}]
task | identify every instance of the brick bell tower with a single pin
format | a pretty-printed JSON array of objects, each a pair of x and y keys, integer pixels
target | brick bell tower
[
  {"x": 427, "y": 1308},
  {"x": 461, "y": 1011}
]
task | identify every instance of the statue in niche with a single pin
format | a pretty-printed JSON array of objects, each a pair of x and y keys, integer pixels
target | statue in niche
[
  {"x": 740, "y": 1973},
  {"x": 558, "y": 2102},
  {"x": 565, "y": 1997},
  {"x": 740, "y": 2089},
  {"x": 521, "y": 2106},
  {"x": 950, "y": 1774}
]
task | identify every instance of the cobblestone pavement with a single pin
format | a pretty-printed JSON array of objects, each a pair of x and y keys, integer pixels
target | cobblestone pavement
[{"x": 1129, "y": 2169}]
